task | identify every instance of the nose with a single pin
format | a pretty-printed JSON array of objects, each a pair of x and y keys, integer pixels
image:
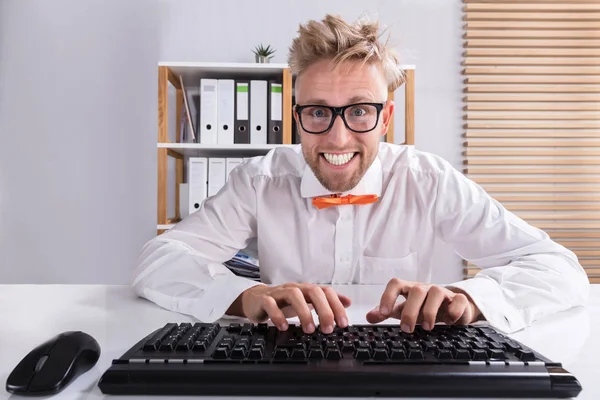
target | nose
[{"x": 339, "y": 136}]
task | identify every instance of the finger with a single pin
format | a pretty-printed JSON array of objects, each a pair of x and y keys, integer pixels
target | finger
[
  {"x": 295, "y": 298},
  {"x": 412, "y": 307},
  {"x": 457, "y": 310},
  {"x": 435, "y": 297},
  {"x": 337, "y": 306},
  {"x": 269, "y": 305},
  {"x": 393, "y": 289},
  {"x": 345, "y": 300},
  {"x": 319, "y": 301},
  {"x": 375, "y": 316}
]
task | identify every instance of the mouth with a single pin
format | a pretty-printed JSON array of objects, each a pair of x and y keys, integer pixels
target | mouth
[{"x": 339, "y": 160}]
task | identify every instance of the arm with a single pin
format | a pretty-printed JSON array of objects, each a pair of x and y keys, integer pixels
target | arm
[
  {"x": 181, "y": 270},
  {"x": 525, "y": 275}
]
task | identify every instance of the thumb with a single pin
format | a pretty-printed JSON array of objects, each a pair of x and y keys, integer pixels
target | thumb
[{"x": 345, "y": 300}]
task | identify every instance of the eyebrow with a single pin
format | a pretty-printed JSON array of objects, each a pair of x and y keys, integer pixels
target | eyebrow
[{"x": 355, "y": 99}]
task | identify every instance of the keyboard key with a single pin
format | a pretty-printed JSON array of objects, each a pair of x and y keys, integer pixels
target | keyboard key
[
  {"x": 414, "y": 354},
  {"x": 281, "y": 354},
  {"x": 315, "y": 353},
  {"x": 444, "y": 354},
  {"x": 221, "y": 353},
  {"x": 362, "y": 354},
  {"x": 333, "y": 354},
  {"x": 462, "y": 354},
  {"x": 380, "y": 354},
  {"x": 256, "y": 353},
  {"x": 478, "y": 355},
  {"x": 298, "y": 354},
  {"x": 397, "y": 354},
  {"x": 496, "y": 354},
  {"x": 525, "y": 355},
  {"x": 238, "y": 353}
]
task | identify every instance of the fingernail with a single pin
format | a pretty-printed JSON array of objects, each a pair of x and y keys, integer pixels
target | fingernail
[
  {"x": 310, "y": 328},
  {"x": 384, "y": 310},
  {"x": 344, "y": 322},
  {"x": 426, "y": 326},
  {"x": 405, "y": 328},
  {"x": 283, "y": 326},
  {"x": 328, "y": 329}
]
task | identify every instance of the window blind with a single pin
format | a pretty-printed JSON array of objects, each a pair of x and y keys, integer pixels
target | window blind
[{"x": 532, "y": 115}]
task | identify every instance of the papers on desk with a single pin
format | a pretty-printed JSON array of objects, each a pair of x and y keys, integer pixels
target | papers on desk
[{"x": 245, "y": 265}]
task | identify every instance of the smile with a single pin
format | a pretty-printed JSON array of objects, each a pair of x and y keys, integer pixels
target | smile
[{"x": 338, "y": 159}]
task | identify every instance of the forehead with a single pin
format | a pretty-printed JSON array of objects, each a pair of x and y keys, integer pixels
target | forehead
[{"x": 336, "y": 86}]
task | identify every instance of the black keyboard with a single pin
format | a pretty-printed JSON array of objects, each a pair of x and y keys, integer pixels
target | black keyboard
[{"x": 360, "y": 360}]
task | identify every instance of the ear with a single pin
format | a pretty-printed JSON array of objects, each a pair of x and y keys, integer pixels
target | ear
[
  {"x": 386, "y": 114},
  {"x": 296, "y": 120}
]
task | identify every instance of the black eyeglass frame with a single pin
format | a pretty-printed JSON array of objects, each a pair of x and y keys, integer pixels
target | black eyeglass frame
[{"x": 338, "y": 111}]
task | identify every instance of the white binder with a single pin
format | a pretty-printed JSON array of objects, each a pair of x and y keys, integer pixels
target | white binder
[
  {"x": 258, "y": 112},
  {"x": 197, "y": 181},
  {"x": 226, "y": 111},
  {"x": 208, "y": 111},
  {"x": 216, "y": 175},
  {"x": 230, "y": 164},
  {"x": 184, "y": 202}
]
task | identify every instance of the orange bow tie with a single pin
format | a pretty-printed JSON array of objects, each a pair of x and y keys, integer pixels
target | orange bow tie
[{"x": 336, "y": 200}]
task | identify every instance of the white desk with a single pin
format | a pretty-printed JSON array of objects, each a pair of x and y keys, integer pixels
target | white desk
[{"x": 117, "y": 319}]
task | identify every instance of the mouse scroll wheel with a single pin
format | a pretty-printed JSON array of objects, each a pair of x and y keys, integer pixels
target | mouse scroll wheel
[{"x": 41, "y": 363}]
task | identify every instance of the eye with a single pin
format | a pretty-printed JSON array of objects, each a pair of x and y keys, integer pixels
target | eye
[
  {"x": 358, "y": 112},
  {"x": 317, "y": 112}
]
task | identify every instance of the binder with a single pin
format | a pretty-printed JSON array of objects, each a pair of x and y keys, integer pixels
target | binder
[
  {"x": 258, "y": 111},
  {"x": 225, "y": 111},
  {"x": 216, "y": 175},
  {"x": 184, "y": 203},
  {"x": 197, "y": 181},
  {"x": 208, "y": 111},
  {"x": 242, "y": 112},
  {"x": 230, "y": 164},
  {"x": 189, "y": 119},
  {"x": 275, "y": 125}
]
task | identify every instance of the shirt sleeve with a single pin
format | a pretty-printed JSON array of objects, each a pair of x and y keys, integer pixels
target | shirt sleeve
[
  {"x": 525, "y": 274},
  {"x": 182, "y": 270}
]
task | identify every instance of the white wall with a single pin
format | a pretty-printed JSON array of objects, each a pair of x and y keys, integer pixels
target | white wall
[
  {"x": 78, "y": 85},
  {"x": 77, "y": 138}
]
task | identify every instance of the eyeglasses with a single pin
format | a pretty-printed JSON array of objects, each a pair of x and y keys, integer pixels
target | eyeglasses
[{"x": 359, "y": 117}]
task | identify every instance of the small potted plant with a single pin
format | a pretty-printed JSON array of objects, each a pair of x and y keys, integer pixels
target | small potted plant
[{"x": 263, "y": 54}]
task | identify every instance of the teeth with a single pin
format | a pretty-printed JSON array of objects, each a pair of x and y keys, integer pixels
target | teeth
[{"x": 338, "y": 159}]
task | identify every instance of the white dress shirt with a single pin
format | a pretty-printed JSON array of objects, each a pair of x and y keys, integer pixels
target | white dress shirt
[{"x": 268, "y": 200}]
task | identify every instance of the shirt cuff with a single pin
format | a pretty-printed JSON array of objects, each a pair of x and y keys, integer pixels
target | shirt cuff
[
  {"x": 492, "y": 303},
  {"x": 220, "y": 294}
]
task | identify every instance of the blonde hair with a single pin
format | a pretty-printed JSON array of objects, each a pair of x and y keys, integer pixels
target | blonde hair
[{"x": 335, "y": 39}]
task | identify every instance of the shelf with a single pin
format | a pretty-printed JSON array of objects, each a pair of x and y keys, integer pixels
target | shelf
[
  {"x": 193, "y": 71},
  {"x": 232, "y": 150},
  {"x": 164, "y": 226}
]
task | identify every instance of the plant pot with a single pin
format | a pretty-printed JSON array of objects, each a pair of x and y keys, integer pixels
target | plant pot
[{"x": 262, "y": 59}]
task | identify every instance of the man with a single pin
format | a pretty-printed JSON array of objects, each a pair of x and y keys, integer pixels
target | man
[{"x": 390, "y": 204}]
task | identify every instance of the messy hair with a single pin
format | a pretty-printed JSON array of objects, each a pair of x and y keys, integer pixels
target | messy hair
[{"x": 337, "y": 40}]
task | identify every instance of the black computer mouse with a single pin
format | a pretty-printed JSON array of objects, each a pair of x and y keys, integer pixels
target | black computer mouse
[{"x": 54, "y": 364}]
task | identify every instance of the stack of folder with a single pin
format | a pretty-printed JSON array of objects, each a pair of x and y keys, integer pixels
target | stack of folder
[
  {"x": 239, "y": 111},
  {"x": 244, "y": 264},
  {"x": 206, "y": 176}
]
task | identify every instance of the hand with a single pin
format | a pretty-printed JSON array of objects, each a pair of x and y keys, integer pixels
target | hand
[
  {"x": 295, "y": 299},
  {"x": 425, "y": 305}
]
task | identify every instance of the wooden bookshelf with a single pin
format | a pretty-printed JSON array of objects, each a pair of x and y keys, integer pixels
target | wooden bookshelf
[{"x": 191, "y": 73}]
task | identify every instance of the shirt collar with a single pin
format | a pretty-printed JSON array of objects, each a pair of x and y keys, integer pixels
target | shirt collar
[{"x": 370, "y": 183}]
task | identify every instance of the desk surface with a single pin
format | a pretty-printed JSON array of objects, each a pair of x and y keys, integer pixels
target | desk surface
[{"x": 113, "y": 315}]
